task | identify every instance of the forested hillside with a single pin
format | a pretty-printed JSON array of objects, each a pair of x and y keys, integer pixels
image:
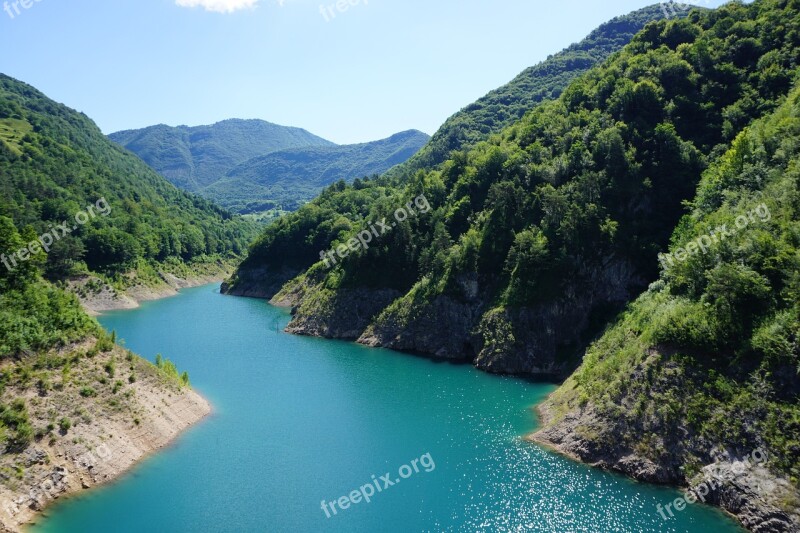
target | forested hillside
[
  {"x": 294, "y": 243},
  {"x": 54, "y": 163},
  {"x": 73, "y": 204},
  {"x": 287, "y": 179},
  {"x": 196, "y": 157},
  {"x": 545, "y": 81},
  {"x": 705, "y": 366}
]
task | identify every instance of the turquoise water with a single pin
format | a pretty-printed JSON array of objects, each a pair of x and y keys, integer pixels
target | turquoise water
[{"x": 298, "y": 420}]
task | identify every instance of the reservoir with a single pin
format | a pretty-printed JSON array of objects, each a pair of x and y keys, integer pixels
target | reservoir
[{"x": 301, "y": 421}]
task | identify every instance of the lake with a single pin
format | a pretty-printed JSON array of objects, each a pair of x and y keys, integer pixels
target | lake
[{"x": 298, "y": 421}]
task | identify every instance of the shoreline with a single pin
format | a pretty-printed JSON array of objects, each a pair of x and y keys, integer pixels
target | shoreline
[
  {"x": 69, "y": 495},
  {"x": 103, "y": 450},
  {"x": 750, "y": 511},
  {"x": 107, "y": 447},
  {"x": 108, "y": 299}
]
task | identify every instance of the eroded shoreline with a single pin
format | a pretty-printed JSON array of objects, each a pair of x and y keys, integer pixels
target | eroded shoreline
[{"x": 102, "y": 445}]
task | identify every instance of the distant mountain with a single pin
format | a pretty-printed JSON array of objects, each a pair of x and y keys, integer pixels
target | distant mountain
[
  {"x": 289, "y": 178},
  {"x": 253, "y": 166},
  {"x": 545, "y": 81},
  {"x": 194, "y": 157}
]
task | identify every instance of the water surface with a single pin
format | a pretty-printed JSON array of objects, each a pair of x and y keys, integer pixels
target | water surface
[{"x": 300, "y": 420}]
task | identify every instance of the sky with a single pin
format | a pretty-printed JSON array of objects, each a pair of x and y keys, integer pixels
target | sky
[{"x": 354, "y": 75}]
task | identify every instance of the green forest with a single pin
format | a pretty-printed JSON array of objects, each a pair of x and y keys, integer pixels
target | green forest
[
  {"x": 506, "y": 105},
  {"x": 563, "y": 215},
  {"x": 54, "y": 164}
]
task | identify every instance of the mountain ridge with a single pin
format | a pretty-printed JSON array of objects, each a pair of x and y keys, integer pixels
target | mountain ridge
[
  {"x": 291, "y": 177},
  {"x": 192, "y": 157},
  {"x": 499, "y": 108}
]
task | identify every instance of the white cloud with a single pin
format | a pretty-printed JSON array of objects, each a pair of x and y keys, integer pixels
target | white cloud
[{"x": 219, "y": 6}]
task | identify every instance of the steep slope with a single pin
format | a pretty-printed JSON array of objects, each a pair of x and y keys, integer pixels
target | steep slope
[
  {"x": 705, "y": 366},
  {"x": 545, "y": 81},
  {"x": 299, "y": 237},
  {"x": 536, "y": 238},
  {"x": 75, "y": 409},
  {"x": 98, "y": 208},
  {"x": 195, "y": 157},
  {"x": 290, "y": 178}
]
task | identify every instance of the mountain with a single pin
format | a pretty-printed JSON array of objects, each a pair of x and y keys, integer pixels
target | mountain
[
  {"x": 516, "y": 253},
  {"x": 55, "y": 163},
  {"x": 290, "y": 178},
  {"x": 205, "y": 159},
  {"x": 502, "y": 107},
  {"x": 196, "y": 157}
]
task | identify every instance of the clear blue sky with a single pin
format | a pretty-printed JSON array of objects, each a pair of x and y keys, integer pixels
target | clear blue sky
[{"x": 376, "y": 69}]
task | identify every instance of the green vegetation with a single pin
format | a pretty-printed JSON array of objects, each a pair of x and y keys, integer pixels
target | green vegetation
[
  {"x": 569, "y": 207},
  {"x": 34, "y": 315},
  {"x": 196, "y": 157},
  {"x": 546, "y": 81},
  {"x": 289, "y": 178},
  {"x": 168, "y": 369},
  {"x": 713, "y": 348},
  {"x": 16, "y": 432},
  {"x": 55, "y": 162}
]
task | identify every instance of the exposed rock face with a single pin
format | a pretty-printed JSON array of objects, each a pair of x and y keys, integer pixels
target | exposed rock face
[
  {"x": 752, "y": 496},
  {"x": 99, "y": 446},
  {"x": 344, "y": 315},
  {"x": 576, "y": 436},
  {"x": 97, "y": 296},
  {"x": 257, "y": 282},
  {"x": 548, "y": 339},
  {"x": 529, "y": 341},
  {"x": 762, "y": 501},
  {"x": 442, "y": 329}
]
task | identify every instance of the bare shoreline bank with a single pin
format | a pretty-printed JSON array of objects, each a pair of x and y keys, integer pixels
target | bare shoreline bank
[
  {"x": 753, "y": 510},
  {"x": 97, "y": 297},
  {"x": 109, "y": 433},
  {"x": 99, "y": 453}
]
